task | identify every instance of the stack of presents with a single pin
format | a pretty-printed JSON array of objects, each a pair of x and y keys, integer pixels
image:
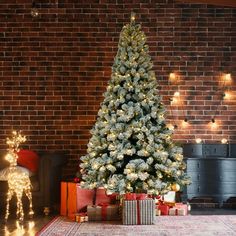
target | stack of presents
[{"x": 83, "y": 205}]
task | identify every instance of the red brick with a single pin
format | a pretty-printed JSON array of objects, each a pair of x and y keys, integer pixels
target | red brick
[{"x": 55, "y": 68}]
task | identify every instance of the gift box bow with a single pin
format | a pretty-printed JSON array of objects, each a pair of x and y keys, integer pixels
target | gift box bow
[{"x": 136, "y": 196}]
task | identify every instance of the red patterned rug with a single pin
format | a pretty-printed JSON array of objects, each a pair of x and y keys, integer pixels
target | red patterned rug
[{"x": 206, "y": 225}]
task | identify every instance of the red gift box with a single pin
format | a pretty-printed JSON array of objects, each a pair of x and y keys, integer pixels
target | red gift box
[
  {"x": 85, "y": 197},
  {"x": 68, "y": 199},
  {"x": 164, "y": 209}
]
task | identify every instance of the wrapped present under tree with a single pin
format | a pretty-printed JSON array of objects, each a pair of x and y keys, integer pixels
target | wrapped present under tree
[
  {"x": 103, "y": 212},
  {"x": 138, "y": 212}
]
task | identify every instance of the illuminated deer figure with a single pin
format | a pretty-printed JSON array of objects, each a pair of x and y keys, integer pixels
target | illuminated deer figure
[{"x": 18, "y": 180}]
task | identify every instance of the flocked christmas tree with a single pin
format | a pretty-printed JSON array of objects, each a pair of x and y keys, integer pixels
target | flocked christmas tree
[{"x": 131, "y": 149}]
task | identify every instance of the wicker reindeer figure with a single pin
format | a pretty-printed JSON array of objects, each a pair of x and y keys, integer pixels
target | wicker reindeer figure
[{"x": 18, "y": 180}]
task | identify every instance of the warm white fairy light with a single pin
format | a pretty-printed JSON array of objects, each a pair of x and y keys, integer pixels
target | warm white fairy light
[
  {"x": 198, "y": 140},
  {"x": 224, "y": 141},
  {"x": 18, "y": 182}
]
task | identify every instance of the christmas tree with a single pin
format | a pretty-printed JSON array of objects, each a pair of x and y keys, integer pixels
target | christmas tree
[{"x": 131, "y": 149}]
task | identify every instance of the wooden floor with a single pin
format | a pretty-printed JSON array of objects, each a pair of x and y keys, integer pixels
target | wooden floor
[
  {"x": 31, "y": 227},
  {"x": 28, "y": 228}
]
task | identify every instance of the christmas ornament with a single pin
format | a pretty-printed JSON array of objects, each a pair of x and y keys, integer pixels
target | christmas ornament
[{"x": 175, "y": 187}]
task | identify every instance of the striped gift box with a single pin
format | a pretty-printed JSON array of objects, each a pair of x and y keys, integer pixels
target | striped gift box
[{"x": 138, "y": 212}]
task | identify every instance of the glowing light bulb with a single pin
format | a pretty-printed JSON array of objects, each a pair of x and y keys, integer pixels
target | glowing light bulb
[
  {"x": 198, "y": 140},
  {"x": 132, "y": 18},
  {"x": 213, "y": 123},
  {"x": 177, "y": 94},
  {"x": 226, "y": 96},
  {"x": 172, "y": 76},
  {"x": 185, "y": 123},
  {"x": 224, "y": 141},
  {"x": 228, "y": 76},
  {"x": 170, "y": 126}
]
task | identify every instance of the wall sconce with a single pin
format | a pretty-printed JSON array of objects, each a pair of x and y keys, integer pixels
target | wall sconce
[
  {"x": 186, "y": 120},
  {"x": 224, "y": 141},
  {"x": 34, "y": 10}
]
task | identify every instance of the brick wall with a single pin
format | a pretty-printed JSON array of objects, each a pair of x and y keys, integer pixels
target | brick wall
[{"x": 55, "y": 68}]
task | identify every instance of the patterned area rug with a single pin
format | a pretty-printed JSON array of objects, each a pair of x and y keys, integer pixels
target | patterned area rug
[{"x": 206, "y": 225}]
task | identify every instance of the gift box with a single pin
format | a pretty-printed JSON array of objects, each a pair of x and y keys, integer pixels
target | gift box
[
  {"x": 81, "y": 217},
  {"x": 87, "y": 197},
  {"x": 103, "y": 212},
  {"x": 68, "y": 200},
  {"x": 183, "y": 206},
  {"x": 138, "y": 212},
  {"x": 177, "y": 211},
  {"x": 163, "y": 208}
]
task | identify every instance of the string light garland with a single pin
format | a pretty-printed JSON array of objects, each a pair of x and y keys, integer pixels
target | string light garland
[
  {"x": 225, "y": 95},
  {"x": 18, "y": 181}
]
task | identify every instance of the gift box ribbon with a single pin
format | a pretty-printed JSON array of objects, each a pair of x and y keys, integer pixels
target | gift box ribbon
[
  {"x": 104, "y": 210},
  {"x": 138, "y": 213},
  {"x": 135, "y": 196},
  {"x": 176, "y": 211}
]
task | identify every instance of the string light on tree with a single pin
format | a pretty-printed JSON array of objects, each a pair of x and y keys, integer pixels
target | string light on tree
[{"x": 137, "y": 151}]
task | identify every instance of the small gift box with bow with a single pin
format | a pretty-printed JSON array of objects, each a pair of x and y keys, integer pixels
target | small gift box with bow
[
  {"x": 177, "y": 212},
  {"x": 81, "y": 217},
  {"x": 103, "y": 212}
]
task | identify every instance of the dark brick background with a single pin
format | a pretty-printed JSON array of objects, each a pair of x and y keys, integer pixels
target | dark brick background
[{"x": 55, "y": 68}]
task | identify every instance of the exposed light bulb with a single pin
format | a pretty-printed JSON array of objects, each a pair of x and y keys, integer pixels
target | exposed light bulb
[
  {"x": 170, "y": 126},
  {"x": 226, "y": 95},
  {"x": 228, "y": 76},
  {"x": 185, "y": 123},
  {"x": 224, "y": 141},
  {"x": 213, "y": 123},
  {"x": 34, "y": 11},
  {"x": 177, "y": 94},
  {"x": 132, "y": 19},
  {"x": 172, "y": 76},
  {"x": 198, "y": 140}
]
